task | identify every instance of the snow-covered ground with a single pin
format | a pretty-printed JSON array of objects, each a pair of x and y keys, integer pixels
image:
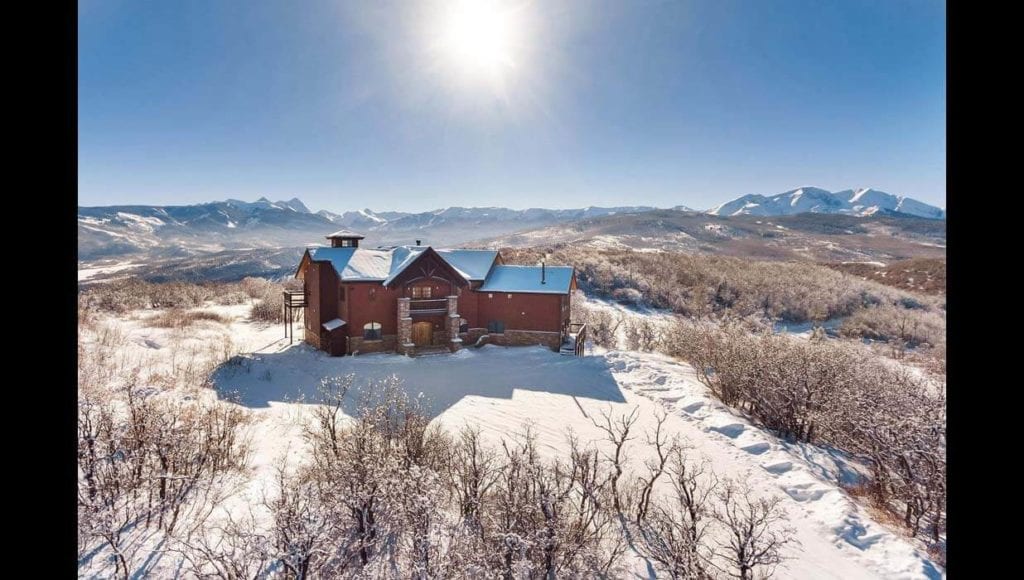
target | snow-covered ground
[
  {"x": 91, "y": 272},
  {"x": 500, "y": 389}
]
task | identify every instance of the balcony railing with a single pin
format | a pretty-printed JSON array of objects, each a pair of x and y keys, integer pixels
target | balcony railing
[{"x": 428, "y": 306}]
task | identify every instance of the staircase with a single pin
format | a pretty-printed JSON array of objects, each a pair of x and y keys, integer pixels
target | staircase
[
  {"x": 431, "y": 350},
  {"x": 574, "y": 343},
  {"x": 568, "y": 347}
]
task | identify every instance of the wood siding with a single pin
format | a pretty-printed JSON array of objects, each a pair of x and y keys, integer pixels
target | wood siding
[{"x": 521, "y": 311}]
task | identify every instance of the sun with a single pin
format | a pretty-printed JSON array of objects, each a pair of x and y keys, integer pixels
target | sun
[{"x": 479, "y": 37}]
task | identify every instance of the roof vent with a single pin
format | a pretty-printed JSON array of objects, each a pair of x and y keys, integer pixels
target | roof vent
[{"x": 417, "y": 242}]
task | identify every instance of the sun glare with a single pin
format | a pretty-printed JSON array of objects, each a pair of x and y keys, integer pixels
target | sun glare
[{"x": 479, "y": 37}]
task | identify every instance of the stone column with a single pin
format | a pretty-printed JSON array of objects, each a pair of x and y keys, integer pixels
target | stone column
[
  {"x": 405, "y": 345},
  {"x": 452, "y": 322}
]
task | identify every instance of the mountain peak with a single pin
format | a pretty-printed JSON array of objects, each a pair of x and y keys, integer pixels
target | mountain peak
[{"x": 863, "y": 201}]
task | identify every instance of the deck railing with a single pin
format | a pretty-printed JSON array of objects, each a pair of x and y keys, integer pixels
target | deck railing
[
  {"x": 428, "y": 306},
  {"x": 579, "y": 332},
  {"x": 294, "y": 299}
]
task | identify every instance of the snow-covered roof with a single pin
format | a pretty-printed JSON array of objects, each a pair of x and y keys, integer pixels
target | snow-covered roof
[
  {"x": 345, "y": 234},
  {"x": 472, "y": 264},
  {"x": 383, "y": 264},
  {"x": 527, "y": 279},
  {"x": 332, "y": 324},
  {"x": 355, "y": 264}
]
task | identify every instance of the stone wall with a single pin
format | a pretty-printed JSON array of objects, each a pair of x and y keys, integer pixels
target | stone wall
[
  {"x": 532, "y": 337},
  {"x": 387, "y": 343},
  {"x": 551, "y": 340}
]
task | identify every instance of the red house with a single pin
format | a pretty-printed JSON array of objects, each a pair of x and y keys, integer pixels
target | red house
[{"x": 412, "y": 299}]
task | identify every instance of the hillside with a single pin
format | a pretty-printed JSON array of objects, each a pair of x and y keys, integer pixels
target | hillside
[
  {"x": 177, "y": 231},
  {"x": 808, "y": 236}
]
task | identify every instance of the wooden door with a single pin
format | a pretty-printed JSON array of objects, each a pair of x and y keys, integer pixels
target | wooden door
[{"x": 422, "y": 333}]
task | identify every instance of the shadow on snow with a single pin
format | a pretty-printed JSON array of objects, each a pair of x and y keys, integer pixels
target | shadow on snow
[{"x": 294, "y": 374}]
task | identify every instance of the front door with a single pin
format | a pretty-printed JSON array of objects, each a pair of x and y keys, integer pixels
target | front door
[{"x": 422, "y": 333}]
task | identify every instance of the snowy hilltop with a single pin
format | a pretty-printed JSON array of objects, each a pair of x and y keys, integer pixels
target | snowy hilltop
[{"x": 860, "y": 202}]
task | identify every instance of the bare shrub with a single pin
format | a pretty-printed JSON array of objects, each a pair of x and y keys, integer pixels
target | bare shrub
[
  {"x": 911, "y": 327},
  {"x": 181, "y": 318},
  {"x": 673, "y": 533},
  {"x": 267, "y": 300},
  {"x": 147, "y": 461},
  {"x": 755, "y": 540},
  {"x": 831, "y": 393}
]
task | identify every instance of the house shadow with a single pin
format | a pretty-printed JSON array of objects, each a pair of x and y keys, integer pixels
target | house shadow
[{"x": 294, "y": 375}]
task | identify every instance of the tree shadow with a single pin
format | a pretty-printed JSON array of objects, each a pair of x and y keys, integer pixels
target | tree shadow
[{"x": 294, "y": 374}]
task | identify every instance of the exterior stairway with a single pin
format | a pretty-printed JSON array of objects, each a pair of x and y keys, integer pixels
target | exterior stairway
[
  {"x": 568, "y": 347},
  {"x": 432, "y": 350}
]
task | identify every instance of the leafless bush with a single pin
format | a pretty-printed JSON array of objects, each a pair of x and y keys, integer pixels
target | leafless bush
[
  {"x": 673, "y": 533},
  {"x": 267, "y": 300},
  {"x": 146, "y": 460},
  {"x": 755, "y": 539},
  {"x": 124, "y": 295},
  {"x": 701, "y": 286},
  {"x": 906, "y": 327},
  {"x": 181, "y": 318},
  {"x": 834, "y": 394}
]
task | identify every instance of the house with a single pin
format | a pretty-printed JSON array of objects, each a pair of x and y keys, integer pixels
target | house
[{"x": 412, "y": 299}]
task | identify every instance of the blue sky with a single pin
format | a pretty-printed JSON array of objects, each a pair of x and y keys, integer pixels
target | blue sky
[{"x": 367, "y": 104}]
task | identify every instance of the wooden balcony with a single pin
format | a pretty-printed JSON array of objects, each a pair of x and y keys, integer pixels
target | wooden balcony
[{"x": 428, "y": 306}]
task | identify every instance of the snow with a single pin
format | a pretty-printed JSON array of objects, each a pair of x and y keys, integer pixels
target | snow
[
  {"x": 333, "y": 323},
  {"x": 89, "y": 273},
  {"x": 345, "y": 234},
  {"x": 471, "y": 264},
  {"x": 383, "y": 264},
  {"x": 499, "y": 389},
  {"x": 528, "y": 279}
]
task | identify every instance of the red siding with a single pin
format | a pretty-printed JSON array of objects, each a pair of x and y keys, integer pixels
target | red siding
[
  {"x": 382, "y": 308},
  {"x": 521, "y": 311}
]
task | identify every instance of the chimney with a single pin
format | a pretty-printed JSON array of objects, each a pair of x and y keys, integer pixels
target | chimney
[
  {"x": 543, "y": 271},
  {"x": 417, "y": 242}
]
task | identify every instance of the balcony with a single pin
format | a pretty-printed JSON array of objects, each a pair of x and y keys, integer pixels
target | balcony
[{"x": 428, "y": 306}]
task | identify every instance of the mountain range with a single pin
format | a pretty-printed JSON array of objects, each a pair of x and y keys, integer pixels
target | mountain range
[
  {"x": 178, "y": 231},
  {"x": 182, "y": 231},
  {"x": 859, "y": 202}
]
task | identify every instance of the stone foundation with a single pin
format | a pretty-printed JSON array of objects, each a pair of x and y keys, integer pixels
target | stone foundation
[
  {"x": 551, "y": 340},
  {"x": 387, "y": 343}
]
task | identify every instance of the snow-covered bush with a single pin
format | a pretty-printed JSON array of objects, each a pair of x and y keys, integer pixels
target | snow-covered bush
[
  {"x": 912, "y": 327},
  {"x": 831, "y": 393},
  {"x": 148, "y": 461}
]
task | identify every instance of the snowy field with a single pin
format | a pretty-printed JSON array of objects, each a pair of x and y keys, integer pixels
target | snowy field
[{"x": 501, "y": 389}]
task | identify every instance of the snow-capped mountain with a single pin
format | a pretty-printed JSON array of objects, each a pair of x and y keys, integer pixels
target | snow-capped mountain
[
  {"x": 860, "y": 202},
  {"x": 235, "y": 224}
]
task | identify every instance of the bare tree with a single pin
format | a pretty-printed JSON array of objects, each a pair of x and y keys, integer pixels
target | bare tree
[
  {"x": 673, "y": 533},
  {"x": 756, "y": 543},
  {"x": 617, "y": 433}
]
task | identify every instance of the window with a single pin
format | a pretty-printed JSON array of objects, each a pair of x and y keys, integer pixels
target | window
[
  {"x": 421, "y": 291},
  {"x": 371, "y": 331},
  {"x": 463, "y": 325},
  {"x": 347, "y": 243},
  {"x": 496, "y": 326}
]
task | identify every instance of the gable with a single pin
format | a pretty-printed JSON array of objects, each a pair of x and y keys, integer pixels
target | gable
[{"x": 426, "y": 264}]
